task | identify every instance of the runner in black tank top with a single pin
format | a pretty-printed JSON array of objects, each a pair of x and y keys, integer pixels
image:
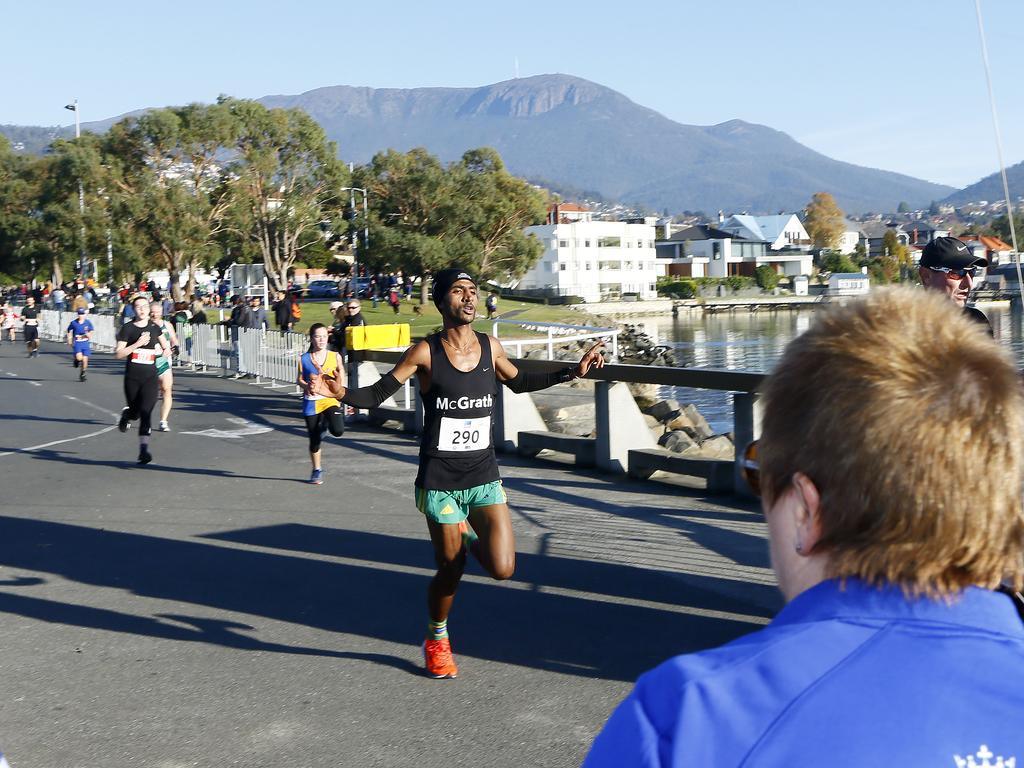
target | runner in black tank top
[
  {"x": 457, "y": 448},
  {"x": 458, "y": 372}
]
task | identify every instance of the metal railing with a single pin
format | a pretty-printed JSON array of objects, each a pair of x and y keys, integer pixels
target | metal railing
[{"x": 564, "y": 333}]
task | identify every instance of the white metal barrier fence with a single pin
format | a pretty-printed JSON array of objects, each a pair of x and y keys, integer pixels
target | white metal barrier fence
[
  {"x": 274, "y": 355},
  {"x": 557, "y": 333},
  {"x": 53, "y": 326}
]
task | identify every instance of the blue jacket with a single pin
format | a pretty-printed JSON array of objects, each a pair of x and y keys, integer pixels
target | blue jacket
[{"x": 854, "y": 677}]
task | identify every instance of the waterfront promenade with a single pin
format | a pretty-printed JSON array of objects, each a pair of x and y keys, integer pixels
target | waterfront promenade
[{"x": 213, "y": 609}]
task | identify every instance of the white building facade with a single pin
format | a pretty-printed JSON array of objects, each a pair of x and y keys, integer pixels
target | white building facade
[{"x": 596, "y": 260}]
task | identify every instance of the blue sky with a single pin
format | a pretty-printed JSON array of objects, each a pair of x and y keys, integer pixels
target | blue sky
[{"x": 894, "y": 84}]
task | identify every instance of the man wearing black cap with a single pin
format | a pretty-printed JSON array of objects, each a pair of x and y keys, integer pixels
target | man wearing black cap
[
  {"x": 458, "y": 371},
  {"x": 948, "y": 265}
]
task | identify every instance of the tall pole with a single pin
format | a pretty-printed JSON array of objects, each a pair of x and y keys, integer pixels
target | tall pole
[
  {"x": 355, "y": 238},
  {"x": 73, "y": 106}
]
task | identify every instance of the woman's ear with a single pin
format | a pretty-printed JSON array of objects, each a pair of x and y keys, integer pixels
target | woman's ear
[{"x": 807, "y": 517}]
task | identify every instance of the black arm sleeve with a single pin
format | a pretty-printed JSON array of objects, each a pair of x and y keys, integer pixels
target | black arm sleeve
[
  {"x": 531, "y": 382},
  {"x": 373, "y": 395}
]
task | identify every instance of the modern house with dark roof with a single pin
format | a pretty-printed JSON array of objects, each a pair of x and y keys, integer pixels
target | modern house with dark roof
[{"x": 707, "y": 251}]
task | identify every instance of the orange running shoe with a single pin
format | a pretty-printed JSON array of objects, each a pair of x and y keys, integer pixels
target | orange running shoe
[
  {"x": 468, "y": 537},
  {"x": 438, "y": 657}
]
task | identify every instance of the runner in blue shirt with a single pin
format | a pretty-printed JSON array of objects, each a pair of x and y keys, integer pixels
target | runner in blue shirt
[
  {"x": 890, "y": 471},
  {"x": 79, "y": 334}
]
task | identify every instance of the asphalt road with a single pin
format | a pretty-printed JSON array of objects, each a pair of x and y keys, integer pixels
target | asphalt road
[{"x": 213, "y": 609}]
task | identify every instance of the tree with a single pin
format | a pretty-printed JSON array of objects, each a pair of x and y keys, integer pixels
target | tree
[
  {"x": 903, "y": 208},
  {"x": 838, "y": 263},
  {"x": 287, "y": 181},
  {"x": 766, "y": 276},
  {"x": 1000, "y": 227},
  {"x": 860, "y": 254},
  {"x": 824, "y": 221},
  {"x": 165, "y": 170},
  {"x": 495, "y": 207},
  {"x": 63, "y": 233},
  {"x": 425, "y": 216},
  {"x": 895, "y": 256},
  {"x": 18, "y": 211}
]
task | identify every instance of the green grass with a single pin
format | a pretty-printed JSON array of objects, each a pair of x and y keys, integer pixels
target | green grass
[{"x": 421, "y": 325}]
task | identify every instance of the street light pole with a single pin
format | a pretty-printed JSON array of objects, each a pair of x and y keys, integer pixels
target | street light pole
[
  {"x": 366, "y": 224},
  {"x": 81, "y": 194}
]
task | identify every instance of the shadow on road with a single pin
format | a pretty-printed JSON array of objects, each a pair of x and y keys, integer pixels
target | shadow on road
[{"x": 536, "y": 627}]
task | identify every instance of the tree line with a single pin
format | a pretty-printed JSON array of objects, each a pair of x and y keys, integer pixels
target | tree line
[{"x": 182, "y": 188}]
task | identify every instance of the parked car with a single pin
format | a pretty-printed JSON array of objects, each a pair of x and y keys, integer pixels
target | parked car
[
  {"x": 322, "y": 289},
  {"x": 361, "y": 287}
]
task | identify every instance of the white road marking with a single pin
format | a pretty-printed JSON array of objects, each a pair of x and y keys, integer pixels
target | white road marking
[
  {"x": 58, "y": 442},
  {"x": 99, "y": 408},
  {"x": 33, "y": 383},
  {"x": 245, "y": 429}
]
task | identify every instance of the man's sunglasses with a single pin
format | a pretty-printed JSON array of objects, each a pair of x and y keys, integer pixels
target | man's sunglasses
[
  {"x": 750, "y": 468},
  {"x": 351, "y": 309},
  {"x": 958, "y": 274}
]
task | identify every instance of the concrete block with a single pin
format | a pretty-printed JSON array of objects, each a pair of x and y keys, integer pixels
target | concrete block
[
  {"x": 514, "y": 413},
  {"x": 620, "y": 426}
]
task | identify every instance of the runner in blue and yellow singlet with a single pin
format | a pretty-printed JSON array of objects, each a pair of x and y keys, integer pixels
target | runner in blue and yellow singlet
[
  {"x": 458, "y": 484},
  {"x": 80, "y": 340},
  {"x": 321, "y": 411}
]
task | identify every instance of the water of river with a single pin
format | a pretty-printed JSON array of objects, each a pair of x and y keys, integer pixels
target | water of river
[{"x": 755, "y": 342}]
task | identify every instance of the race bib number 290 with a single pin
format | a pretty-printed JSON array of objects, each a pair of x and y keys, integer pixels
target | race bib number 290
[{"x": 464, "y": 434}]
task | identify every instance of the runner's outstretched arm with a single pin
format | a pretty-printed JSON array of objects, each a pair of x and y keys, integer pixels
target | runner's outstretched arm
[
  {"x": 520, "y": 381},
  {"x": 414, "y": 359}
]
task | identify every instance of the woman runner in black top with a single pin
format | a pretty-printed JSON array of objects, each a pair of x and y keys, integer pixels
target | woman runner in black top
[
  {"x": 140, "y": 342},
  {"x": 458, "y": 372}
]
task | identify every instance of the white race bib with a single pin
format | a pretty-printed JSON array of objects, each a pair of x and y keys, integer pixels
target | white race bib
[
  {"x": 464, "y": 434},
  {"x": 144, "y": 356}
]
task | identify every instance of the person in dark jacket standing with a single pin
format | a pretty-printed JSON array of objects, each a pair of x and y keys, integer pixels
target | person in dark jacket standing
[{"x": 282, "y": 309}]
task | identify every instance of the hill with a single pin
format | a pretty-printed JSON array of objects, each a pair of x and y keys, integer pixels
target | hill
[
  {"x": 991, "y": 187},
  {"x": 577, "y": 133}
]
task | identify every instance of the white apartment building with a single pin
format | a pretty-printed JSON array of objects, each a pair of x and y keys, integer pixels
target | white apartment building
[{"x": 596, "y": 260}]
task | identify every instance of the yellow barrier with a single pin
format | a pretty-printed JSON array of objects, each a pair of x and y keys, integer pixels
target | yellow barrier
[{"x": 377, "y": 336}]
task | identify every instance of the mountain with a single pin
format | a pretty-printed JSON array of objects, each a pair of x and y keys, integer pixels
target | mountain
[
  {"x": 573, "y": 132},
  {"x": 991, "y": 187}
]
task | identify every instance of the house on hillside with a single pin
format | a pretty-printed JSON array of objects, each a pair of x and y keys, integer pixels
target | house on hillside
[
  {"x": 782, "y": 231},
  {"x": 597, "y": 260},
  {"x": 704, "y": 251},
  {"x": 875, "y": 231},
  {"x": 852, "y": 234},
  {"x": 565, "y": 213},
  {"x": 923, "y": 232},
  {"x": 788, "y": 244},
  {"x": 996, "y": 251},
  {"x": 707, "y": 251}
]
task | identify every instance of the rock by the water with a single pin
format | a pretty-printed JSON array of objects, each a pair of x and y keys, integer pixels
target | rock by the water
[
  {"x": 663, "y": 409},
  {"x": 677, "y": 441},
  {"x": 718, "y": 447},
  {"x": 697, "y": 420}
]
